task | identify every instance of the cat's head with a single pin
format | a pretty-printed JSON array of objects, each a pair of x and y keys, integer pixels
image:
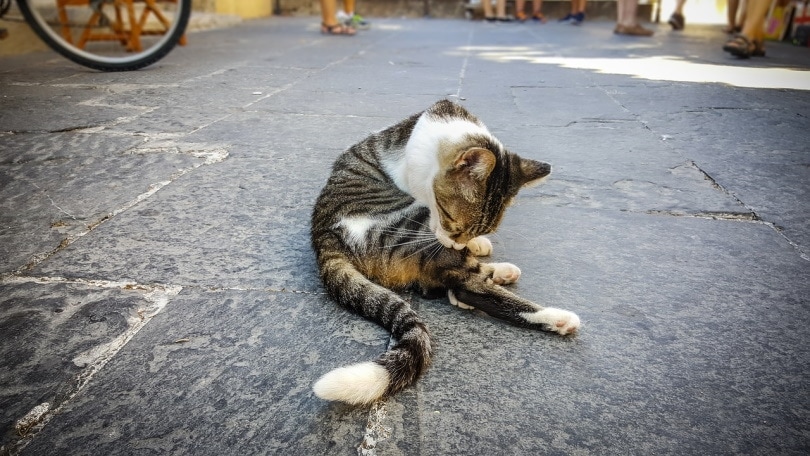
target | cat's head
[{"x": 476, "y": 182}]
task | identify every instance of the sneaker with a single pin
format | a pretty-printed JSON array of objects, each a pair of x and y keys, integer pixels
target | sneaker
[
  {"x": 634, "y": 30},
  {"x": 577, "y": 19},
  {"x": 677, "y": 21},
  {"x": 357, "y": 21},
  {"x": 567, "y": 18}
]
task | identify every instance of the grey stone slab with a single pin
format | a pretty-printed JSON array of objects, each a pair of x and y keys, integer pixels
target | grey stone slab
[
  {"x": 29, "y": 108},
  {"x": 287, "y": 135},
  {"x": 53, "y": 335},
  {"x": 221, "y": 373},
  {"x": 55, "y": 189},
  {"x": 758, "y": 155},
  {"x": 352, "y": 101},
  {"x": 239, "y": 223},
  {"x": 693, "y": 340},
  {"x": 619, "y": 165}
]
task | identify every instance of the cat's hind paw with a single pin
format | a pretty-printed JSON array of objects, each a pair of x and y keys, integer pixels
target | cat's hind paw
[
  {"x": 480, "y": 246},
  {"x": 454, "y": 301},
  {"x": 555, "y": 320},
  {"x": 504, "y": 273}
]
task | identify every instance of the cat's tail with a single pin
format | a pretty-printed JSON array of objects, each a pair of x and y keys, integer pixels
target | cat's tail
[{"x": 394, "y": 370}]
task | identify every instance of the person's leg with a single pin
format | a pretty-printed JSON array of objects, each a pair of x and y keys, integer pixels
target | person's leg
[
  {"x": 348, "y": 7},
  {"x": 500, "y": 8},
  {"x": 626, "y": 21},
  {"x": 520, "y": 13},
  {"x": 537, "y": 10},
  {"x": 580, "y": 14},
  {"x": 487, "y": 5},
  {"x": 731, "y": 16},
  {"x": 569, "y": 15},
  {"x": 624, "y": 13},
  {"x": 754, "y": 25},
  {"x": 751, "y": 40},
  {"x": 329, "y": 23},
  {"x": 677, "y": 19}
]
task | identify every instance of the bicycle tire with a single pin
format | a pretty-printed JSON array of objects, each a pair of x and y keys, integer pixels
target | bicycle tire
[{"x": 130, "y": 62}]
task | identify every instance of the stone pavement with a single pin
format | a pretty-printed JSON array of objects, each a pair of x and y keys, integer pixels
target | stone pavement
[{"x": 158, "y": 294}]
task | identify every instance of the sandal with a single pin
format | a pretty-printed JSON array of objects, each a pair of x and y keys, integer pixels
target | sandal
[
  {"x": 338, "y": 29},
  {"x": 730, "y": 30},
  {"x": 677, "y": 21},
  {"x": 635, "y": 30},
  {"x": 742, "y": 47},
  {"x": 520, "y": 16},
  {"x": 539, "y": 17}
]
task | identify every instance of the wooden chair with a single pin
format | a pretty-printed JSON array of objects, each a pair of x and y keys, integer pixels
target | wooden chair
[{"x": 126, "y": 25}]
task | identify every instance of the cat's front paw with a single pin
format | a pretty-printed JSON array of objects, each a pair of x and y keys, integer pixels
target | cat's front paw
[
  {"x": 554, "y": 320},
  {"x": 504, "y": 273},
  {"x": 480, "y": 246},
  {"x": 454, "y": 301}
]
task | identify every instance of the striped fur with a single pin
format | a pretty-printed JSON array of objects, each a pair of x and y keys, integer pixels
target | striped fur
[{"x": 398, "y": 212}]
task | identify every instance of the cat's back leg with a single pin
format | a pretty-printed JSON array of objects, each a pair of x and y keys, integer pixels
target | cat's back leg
[{"x": 477, "y": 289}]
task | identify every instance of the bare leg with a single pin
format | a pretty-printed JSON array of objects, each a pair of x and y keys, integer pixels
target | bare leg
[
  {"x": 348, "y": 7},
  {"x": 677, "y": 20},
  {"x": 731, "y": 15},
  {"x": 751, "y": 40},
  {"x": 500, "y": 8},
  {"x": 626, "y": 21},
  {"x": 755, "y": 12},
  {"x": 520, "y": 6},
  {"x": 329, "y": 12}
]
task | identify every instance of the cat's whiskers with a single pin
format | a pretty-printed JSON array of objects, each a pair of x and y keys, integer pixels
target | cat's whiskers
[
  {"x": 417, "y": 222},
  {"x": 420, "y": 250},
  {"x": 518, "y": 233},
  {"x": 411, "y": 242}
]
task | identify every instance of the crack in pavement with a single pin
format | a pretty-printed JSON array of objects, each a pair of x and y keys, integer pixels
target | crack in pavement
[
  {"x": 209, "y": 154},
  {"x": 157, "y": 296}
]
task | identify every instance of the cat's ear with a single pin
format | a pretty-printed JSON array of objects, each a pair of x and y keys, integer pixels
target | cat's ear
[
  {"x": 476, "y": 162},
  {"x": 533, "y": 172}
]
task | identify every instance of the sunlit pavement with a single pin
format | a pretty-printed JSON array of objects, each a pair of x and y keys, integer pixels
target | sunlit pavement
[{"x": 158, "y": 294}]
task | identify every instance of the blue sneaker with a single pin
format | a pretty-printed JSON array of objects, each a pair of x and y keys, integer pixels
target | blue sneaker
[
  {"x": 578, "y": 18},
  {"x": 567, "y": 18}
]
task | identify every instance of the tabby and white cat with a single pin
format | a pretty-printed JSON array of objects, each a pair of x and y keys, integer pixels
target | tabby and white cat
[{"x": 407, "y": 208}]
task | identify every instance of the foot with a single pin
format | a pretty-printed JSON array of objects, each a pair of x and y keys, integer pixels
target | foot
[
  {"x": 456, "y": 302},
  {"x": 578, "y": 19},
  {"x": 632, "y": 30},
  {"x": 480, "y": 246},
  {"x": 555, "y": 320},
  {"x": 338, "y": 29},
  {"x": 677, "y": 21},
  {"x": 504, "y": 273},
  {"x": 520, "y": 16},
  {"x": 732, "y": 29},
  {"x": 538, "y": 17},
  {"x": 740, "y": 46},
  {"x": 358, "y": 22},
  {"x": 567, "y": 18}
]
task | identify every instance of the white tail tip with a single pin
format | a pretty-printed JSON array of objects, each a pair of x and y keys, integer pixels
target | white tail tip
[{"x": 361, "y": 383}]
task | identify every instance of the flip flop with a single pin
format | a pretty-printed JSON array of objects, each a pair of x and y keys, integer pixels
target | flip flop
[{"x": 338, "y": 29}]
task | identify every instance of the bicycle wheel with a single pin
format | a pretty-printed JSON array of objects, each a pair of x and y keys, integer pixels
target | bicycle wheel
[{"x": 109, "y": 35}]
